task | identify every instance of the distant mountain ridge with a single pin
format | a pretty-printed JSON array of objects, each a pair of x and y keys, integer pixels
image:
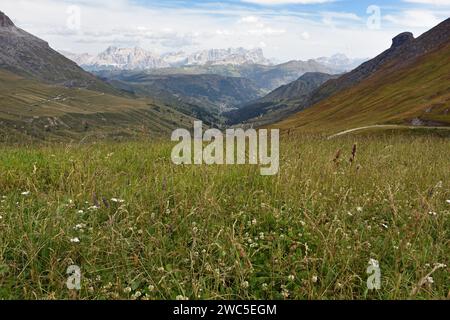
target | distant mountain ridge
[{"x": 114, "y": 58}]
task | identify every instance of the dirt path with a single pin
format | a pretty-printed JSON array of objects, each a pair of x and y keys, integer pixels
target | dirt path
[{"x": 384, "y": 127}]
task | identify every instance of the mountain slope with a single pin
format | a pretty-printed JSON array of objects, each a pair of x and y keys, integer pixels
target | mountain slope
[
  {"x": 408, "y": 84},
  {"x": 30, "y": 110},
  {"x": 404, "y": 50},
  {"x": 27, "y": 55},
  {"x": 279, "y": 103}
]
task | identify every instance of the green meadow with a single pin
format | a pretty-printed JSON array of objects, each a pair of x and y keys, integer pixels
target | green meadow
[{"x": 140, "y": 227}]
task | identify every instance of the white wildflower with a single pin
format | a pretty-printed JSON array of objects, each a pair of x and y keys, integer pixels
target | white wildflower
[
  {"x": 291, "y": 277},
  {"x": 136, "y": 295},
  {"x": 75, "y": 240},
  {"x": 116, "y": 200},
  {"x": 79, "y": 226},
  {"x": 26, "y": 193},
  {"x": 374, "y": 263},
  {"x": 314, "y": 279},
  {"x": 180, "y": 298},
  {"x": 440, "y": 265},
  {"x": 359, "y": 209},
  {"x": 245, "y": 284},
  {"x": 127, "y": 290}
]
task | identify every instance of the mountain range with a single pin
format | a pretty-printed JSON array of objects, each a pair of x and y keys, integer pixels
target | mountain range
[
  {"x": 211, "y": 94},
  {"x": 407, "y": 84},
  {"x": 46, "y": 96},
  {"x": 234, "y": 62},
  {"x": 114, "y": 58}
]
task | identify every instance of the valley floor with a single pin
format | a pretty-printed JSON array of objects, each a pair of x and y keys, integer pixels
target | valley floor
[{"x": 140, "y": 227}]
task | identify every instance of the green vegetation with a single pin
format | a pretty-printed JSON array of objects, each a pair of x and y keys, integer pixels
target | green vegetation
[
  {"x": 221, "y": 232},
  {"x": 32, "y": 111}
]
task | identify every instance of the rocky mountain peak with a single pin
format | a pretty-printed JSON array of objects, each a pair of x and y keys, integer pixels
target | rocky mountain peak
[
  {"x": 401, "y": 39},
  {"x": 5, "y": 21}
]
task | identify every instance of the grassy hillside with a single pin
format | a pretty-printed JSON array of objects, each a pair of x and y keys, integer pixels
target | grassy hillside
[
  {"x": 225, "y": 232},
  {"x": 32, "y": 111},
  {"x": 416, "y": 94}
]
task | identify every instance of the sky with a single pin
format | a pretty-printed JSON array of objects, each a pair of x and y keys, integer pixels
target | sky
[{"x": 284, "y": 29}]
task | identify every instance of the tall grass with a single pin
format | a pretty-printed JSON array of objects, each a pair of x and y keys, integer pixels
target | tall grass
[{"x": 221, "y": 232}]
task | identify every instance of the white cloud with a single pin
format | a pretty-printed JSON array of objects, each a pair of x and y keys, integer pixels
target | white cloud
[
  {"x": 279, "y": 2},
  {"x": 430, "y": 2},
  {"x": 415, "y": 19},
  {"x": 283, "y": 32}
]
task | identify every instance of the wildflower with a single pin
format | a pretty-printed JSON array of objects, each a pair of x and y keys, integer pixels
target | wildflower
[
  {"x": 180, "y": 298},
  {"x": 429, "y": 280},
  {"x": 151, "y": 288},
  {"x": 194, "y": 229},
  {"x": 75, "y": 240},
  {"x": 374, "y": 263},
  {"x": 254, "y": 222},
  {"x": 265, "y": 286},
  {"x": 314, "y": 279},
  {"x": 136, "y": 295},
  {"x": 161, "y": 269},
  {"x": 261, "y": 236},
  {"x": 448, "y": 201},
  {"x": 116, "y": 200},
  {"x": 80, "y": 211},
  {"x": 127, "y": 290},
  {"x": 285, "y": 293},
  {"x": 432, "y": 213},
  {"x": 1, "y": 217},
  {"x": 291, "y": 277},
  {"x": 245, "y": 285},
  {"x": 440, "y": 265},
  {"x": 26, "y": 193},
  {"x": 93, "y": 208},
  {"x": 79, "y": 226},
  {"x": 359, "y": 209}
]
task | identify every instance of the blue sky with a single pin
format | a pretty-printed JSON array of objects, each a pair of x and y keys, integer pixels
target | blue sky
[{"x": 284, "y": 29}]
